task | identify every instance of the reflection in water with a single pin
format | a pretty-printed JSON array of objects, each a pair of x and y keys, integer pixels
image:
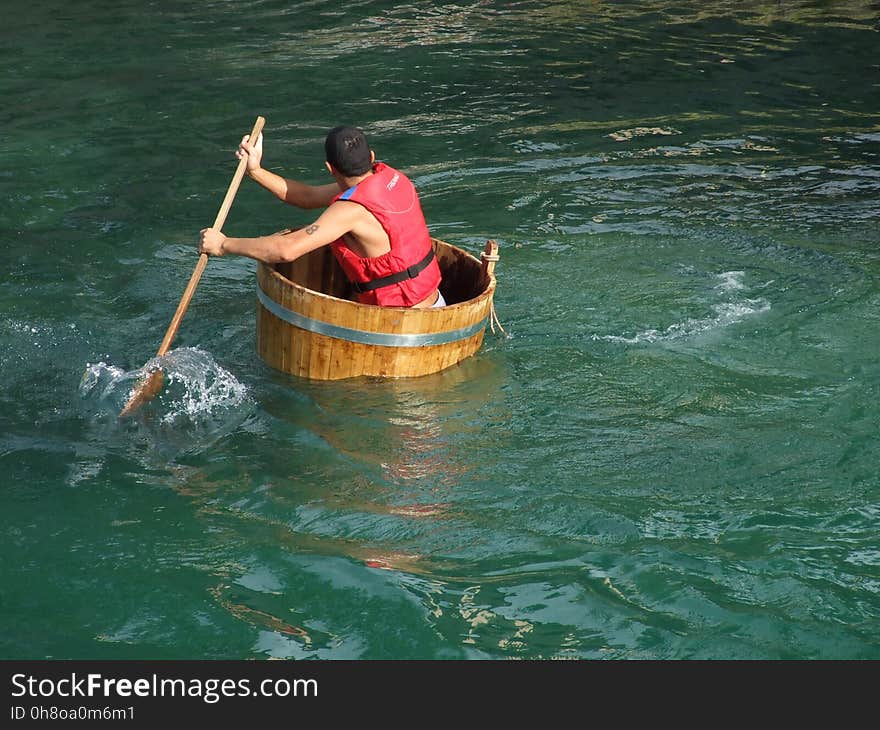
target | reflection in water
[
  {"x": 405, "y": 441},
  {"x": 257, "y": 617},
  {"x": 394, "y": 471},
  {"x": 408, "y": 429}
]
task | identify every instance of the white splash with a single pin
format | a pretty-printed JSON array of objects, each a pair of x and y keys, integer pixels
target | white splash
[
  {"x": 100, "y": 380},
  {"x": 726, "y": 314},
  {"x": 731, "y": 281},
  {"x": 195, "y": 386},
  {"x": 198, "y": 385}
]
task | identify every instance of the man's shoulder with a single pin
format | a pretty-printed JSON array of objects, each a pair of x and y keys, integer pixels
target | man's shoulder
[{"x": 348, "y": 210}]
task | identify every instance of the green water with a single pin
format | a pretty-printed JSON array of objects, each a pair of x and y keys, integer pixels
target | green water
[{"x": 673, "y": 455}]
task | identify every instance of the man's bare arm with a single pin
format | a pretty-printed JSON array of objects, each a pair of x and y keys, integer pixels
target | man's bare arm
[
  {"x": 332, "y": 224},
  {"x": 290, "y": 191},
  {"x": 300, "y": 194}
]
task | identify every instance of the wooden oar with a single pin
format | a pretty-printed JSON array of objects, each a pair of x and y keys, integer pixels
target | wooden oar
[{"x": 152, "y": 384}]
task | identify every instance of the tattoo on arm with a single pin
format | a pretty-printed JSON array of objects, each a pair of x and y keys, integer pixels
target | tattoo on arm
[{"x": 312, "y": 228}]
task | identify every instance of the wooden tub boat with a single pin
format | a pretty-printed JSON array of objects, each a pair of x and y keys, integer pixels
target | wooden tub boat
[{"x": 308, "y": 325}]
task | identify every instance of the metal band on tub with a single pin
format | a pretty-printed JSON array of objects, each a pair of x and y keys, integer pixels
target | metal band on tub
[{"x": 363, "y": 337}]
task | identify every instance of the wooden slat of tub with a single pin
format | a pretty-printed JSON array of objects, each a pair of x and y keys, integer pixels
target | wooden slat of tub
[
  {"x": 269, "y": 325},
  {"x": 320, "y": 358}
]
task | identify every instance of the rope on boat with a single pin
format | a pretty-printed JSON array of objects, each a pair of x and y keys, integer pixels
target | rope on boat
[
  {"x": 494, "y": 320},
  {"x": 489, "y": 261}
]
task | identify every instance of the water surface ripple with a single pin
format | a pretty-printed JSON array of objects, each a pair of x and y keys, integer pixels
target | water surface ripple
[{"x": 673, "y": 455}]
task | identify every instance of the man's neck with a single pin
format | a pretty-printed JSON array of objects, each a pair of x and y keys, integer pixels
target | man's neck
[{"x": 346, "y": 182}]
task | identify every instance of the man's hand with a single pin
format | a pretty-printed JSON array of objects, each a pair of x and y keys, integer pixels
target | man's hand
[
  {"x": 212, "y": 242},
  {"x": 253, "y": 153}
]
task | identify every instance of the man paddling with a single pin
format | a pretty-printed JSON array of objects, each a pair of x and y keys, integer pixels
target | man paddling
[{"x": 373, "y": 222}]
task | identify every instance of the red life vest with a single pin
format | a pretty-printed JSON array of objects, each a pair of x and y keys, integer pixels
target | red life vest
[{"x": 409, "y": 272}]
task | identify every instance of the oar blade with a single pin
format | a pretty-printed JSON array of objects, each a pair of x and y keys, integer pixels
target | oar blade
[{"x": 145, "y": 391}]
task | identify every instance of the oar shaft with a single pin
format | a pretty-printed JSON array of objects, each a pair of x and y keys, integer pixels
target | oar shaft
[
  {"x": 171, "y": 332},
  {"x": 236, "y": 179}
]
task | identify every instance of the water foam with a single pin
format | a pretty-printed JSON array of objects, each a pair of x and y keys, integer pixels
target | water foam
[
  {"x": 724, "y": 314},
  {"x": 731, "y": 281},
  {"x": 195, "y": 387},
  {"x": 198, "y": 386}
]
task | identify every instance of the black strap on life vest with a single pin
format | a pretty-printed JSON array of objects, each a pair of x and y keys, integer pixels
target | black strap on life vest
[{"x": 410, "y": 272}]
